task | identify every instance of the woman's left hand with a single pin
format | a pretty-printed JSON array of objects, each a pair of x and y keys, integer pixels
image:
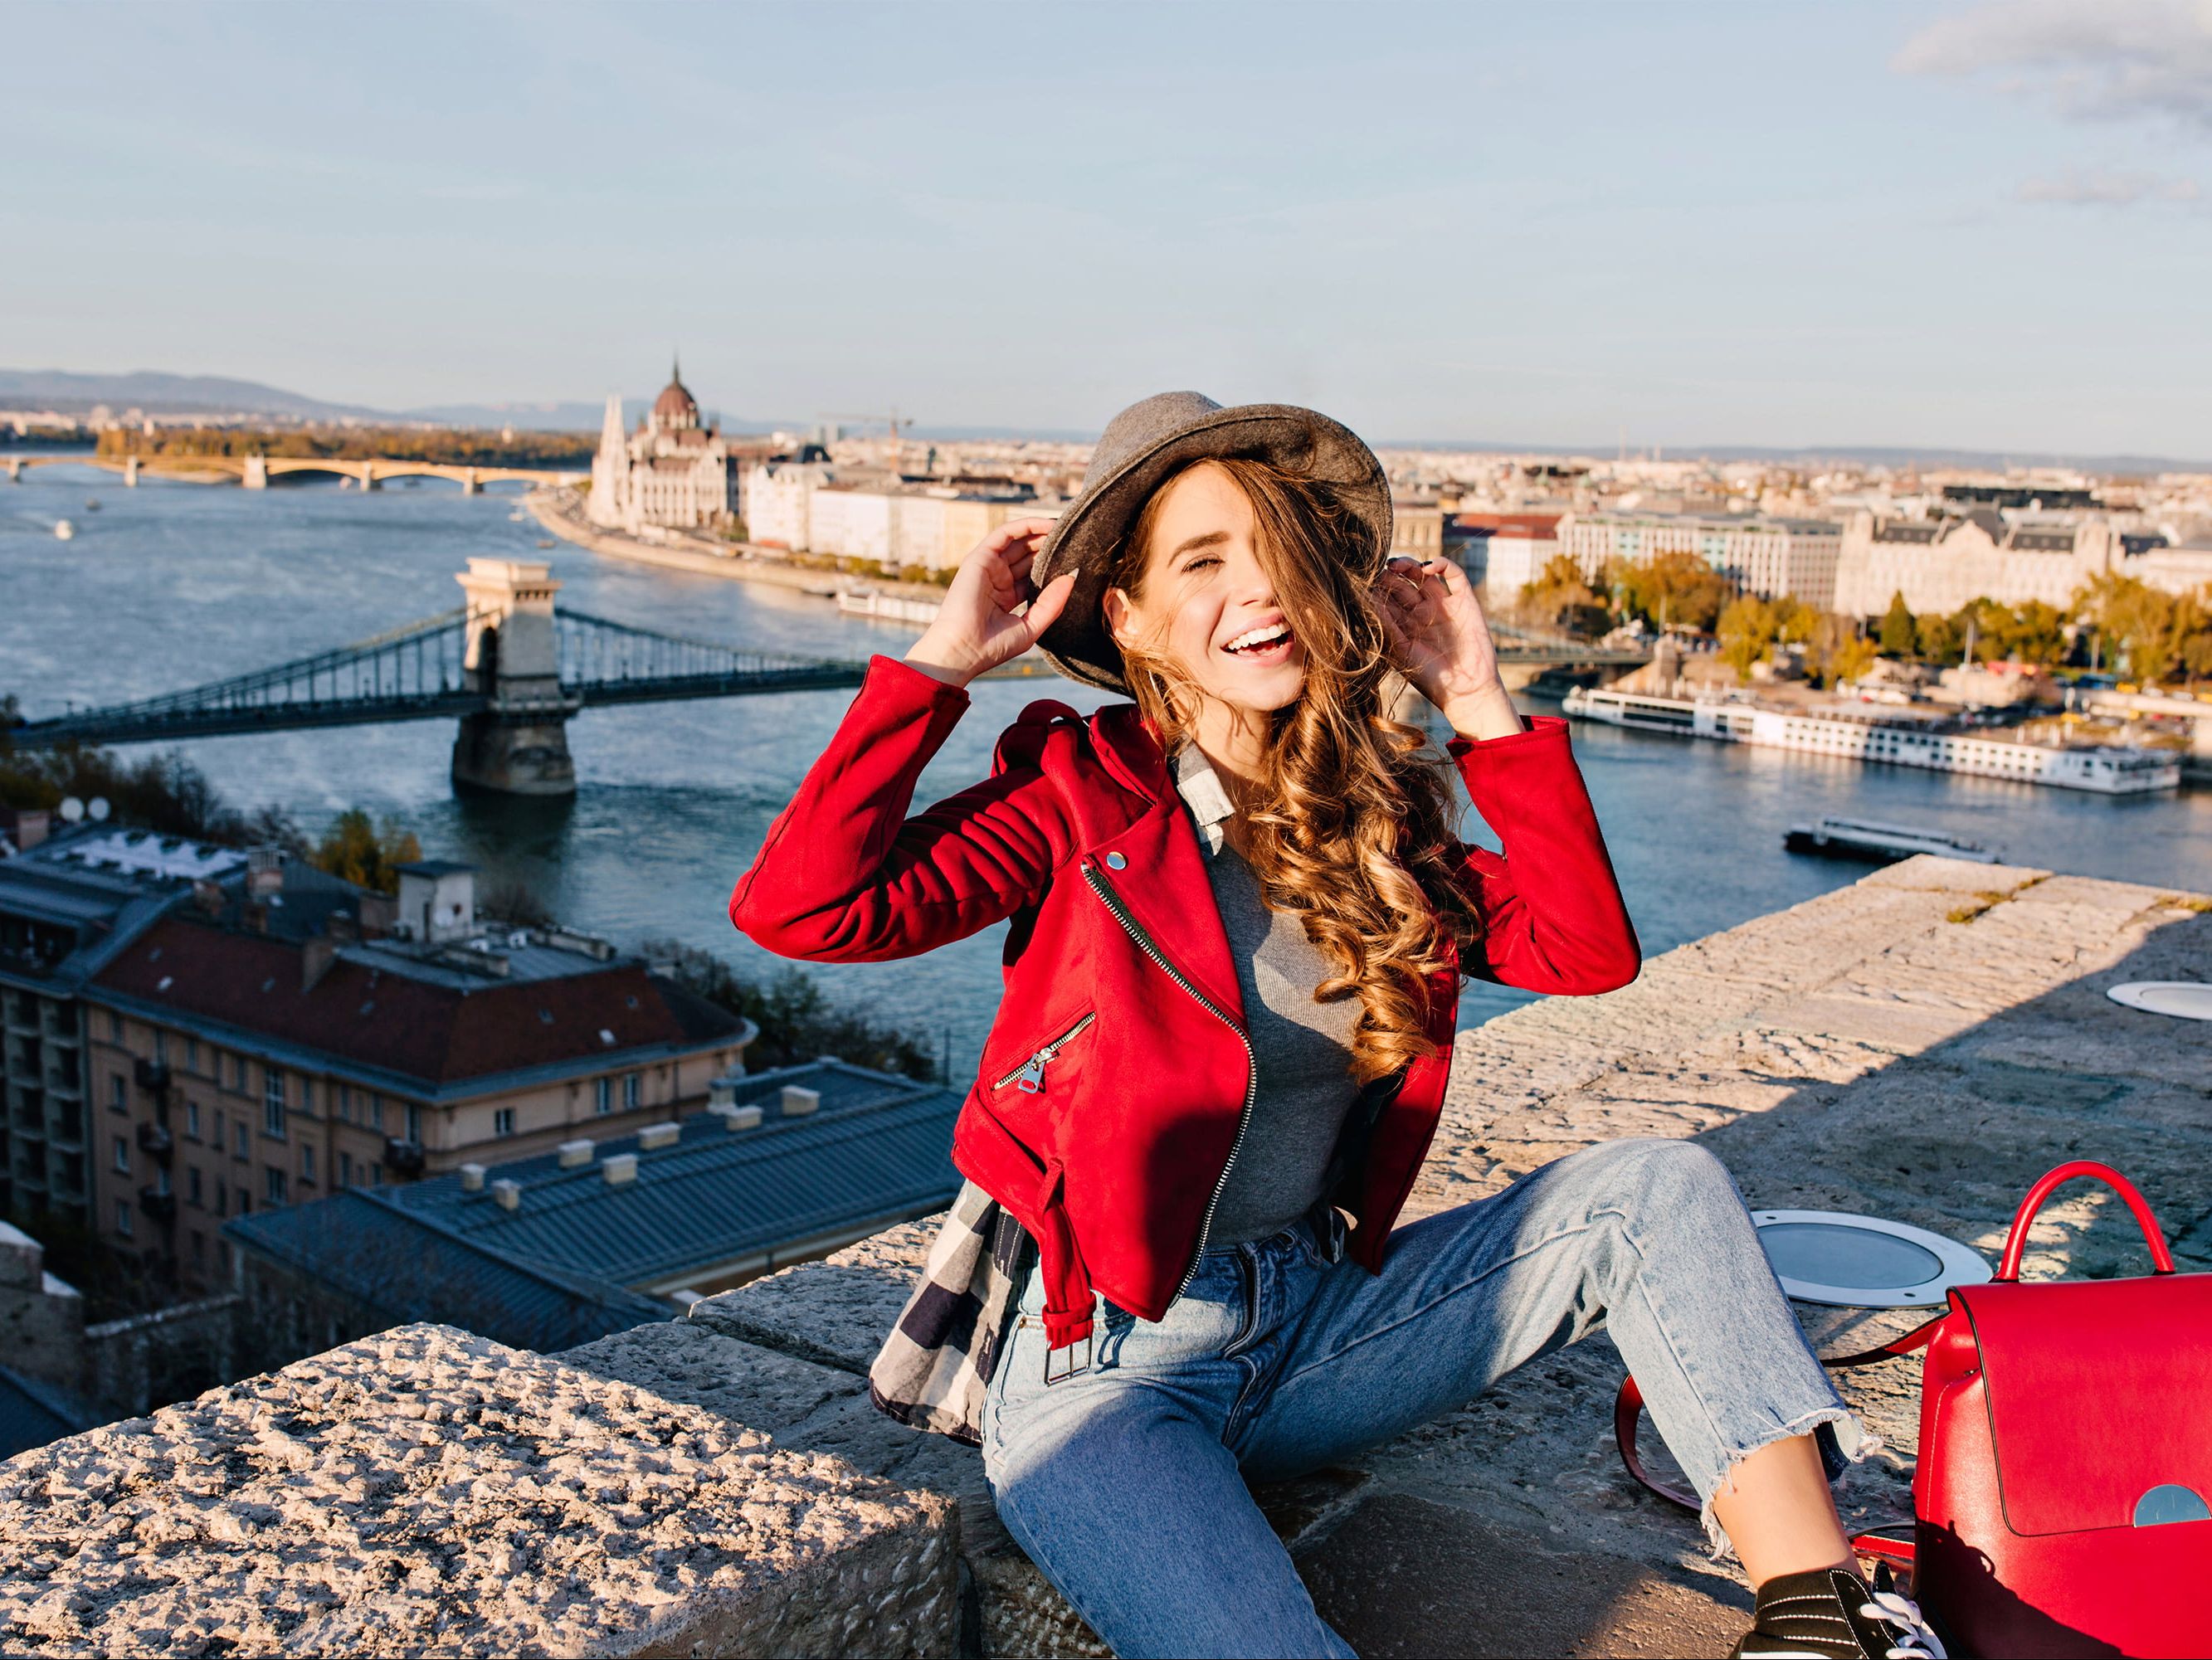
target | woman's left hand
[{"x": 1441, "y": 642}]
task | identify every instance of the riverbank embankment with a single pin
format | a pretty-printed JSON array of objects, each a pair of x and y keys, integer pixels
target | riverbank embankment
[
  {"x": 1920, "y": 1045},
  {"x": 561, "y": 512}
]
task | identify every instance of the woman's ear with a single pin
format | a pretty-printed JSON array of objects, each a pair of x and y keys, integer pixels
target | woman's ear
[{"x": 1114, "y": 608}]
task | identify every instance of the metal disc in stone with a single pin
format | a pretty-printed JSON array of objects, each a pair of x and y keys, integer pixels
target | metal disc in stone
[{"x": 2185, "y": 1000}]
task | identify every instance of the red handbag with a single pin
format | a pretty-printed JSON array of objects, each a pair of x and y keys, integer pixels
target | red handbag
[{"x": 2063, "y": 1498}]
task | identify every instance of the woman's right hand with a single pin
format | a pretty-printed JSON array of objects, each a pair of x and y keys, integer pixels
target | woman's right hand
[{"x": 977, "y": 628}]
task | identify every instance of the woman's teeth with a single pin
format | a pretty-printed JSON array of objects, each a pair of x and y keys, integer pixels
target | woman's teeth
[{"x": 1257, "y": 639}]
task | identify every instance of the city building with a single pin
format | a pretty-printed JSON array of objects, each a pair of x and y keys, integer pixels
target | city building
[
  {"x": 285, "y": 1036},
  {"x": 923, "y": 523},
  {"x": 1417, "y": 528},
  {"x": 1768, "y": 557},
  {"x": 1939, "y": 564},
  {"x": 70, "y": 904},
  {"x": 674, "y": 470},
  {"x": 1501, "y": 552},
  {"x": 604, "y": 1232}
]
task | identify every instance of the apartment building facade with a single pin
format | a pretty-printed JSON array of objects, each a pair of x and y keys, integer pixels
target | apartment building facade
[
  {"x": 241, "y": 1055},
  {"x": 1771, "y": 557}
]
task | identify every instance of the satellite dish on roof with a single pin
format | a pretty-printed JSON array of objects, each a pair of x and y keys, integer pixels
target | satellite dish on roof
[
  {"x": 99, "y": 809},
  {"x": 72, "y": 809}
]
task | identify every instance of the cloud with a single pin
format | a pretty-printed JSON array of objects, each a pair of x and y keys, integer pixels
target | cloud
[
  {"x": 2095, "y": 59},
  {"x": 2089, "y": 190}
]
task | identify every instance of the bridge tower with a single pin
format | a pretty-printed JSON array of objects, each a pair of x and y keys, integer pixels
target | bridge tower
[{"x": 518, "y": 743}]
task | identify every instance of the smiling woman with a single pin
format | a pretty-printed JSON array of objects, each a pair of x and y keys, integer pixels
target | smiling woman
[{"x": 1173, "y": 1268}]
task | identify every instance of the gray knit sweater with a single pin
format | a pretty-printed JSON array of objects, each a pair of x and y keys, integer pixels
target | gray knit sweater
[{"x": 1300, "y": 1047}]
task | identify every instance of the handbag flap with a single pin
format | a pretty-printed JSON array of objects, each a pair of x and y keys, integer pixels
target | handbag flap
[{"x": 2098, "y": 1393}]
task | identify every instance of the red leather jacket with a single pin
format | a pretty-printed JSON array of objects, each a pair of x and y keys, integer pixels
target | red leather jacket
[{"x": 1117, "y": 1079}]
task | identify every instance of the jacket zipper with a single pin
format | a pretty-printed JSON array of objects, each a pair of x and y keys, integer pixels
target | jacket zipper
[
  {"x": 1031, "y": 1071},
  {"x": 1113, "y": 902}
]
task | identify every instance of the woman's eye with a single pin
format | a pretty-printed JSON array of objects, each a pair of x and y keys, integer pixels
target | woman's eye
[{"x": 1199, "y": 563}]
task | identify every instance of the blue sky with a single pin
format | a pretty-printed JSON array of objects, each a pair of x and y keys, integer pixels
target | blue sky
[{"x": 1978, "y": 225}]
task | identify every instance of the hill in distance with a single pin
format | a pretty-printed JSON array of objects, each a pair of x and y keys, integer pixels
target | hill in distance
[{"x": 159, "y": 393}]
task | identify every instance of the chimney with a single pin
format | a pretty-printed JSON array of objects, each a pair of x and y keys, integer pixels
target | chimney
[
  {"x": 659, "y": 1135},
  {"x": 315, "y": 959},
  {"x": 25, "y": 826},
  {"x": 735, "y": 1117},
  {"x": 472, "y": 1177},
  {"x": 619, "y": 1169},
  {"x": 574, "y": 1153},
  {"x": 264, "y": 872},
  {"x": 506, "y": 1195},
  {"x": 798, "y": 1100}
]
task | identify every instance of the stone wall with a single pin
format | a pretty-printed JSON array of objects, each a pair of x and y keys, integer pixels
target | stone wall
[{"x": 1920, "y": 1044}]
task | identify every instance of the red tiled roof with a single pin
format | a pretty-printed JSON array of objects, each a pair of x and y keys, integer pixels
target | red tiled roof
[
  {"x": 440, "y": 1034},
  {"x": 1543, "y": 523}
]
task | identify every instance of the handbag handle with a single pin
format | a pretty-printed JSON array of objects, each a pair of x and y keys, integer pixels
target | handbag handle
[{"x": 2161, "y": 1260}]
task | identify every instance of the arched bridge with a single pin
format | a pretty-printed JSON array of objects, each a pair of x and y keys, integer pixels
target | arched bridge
[
  {"x": 512, "y": 669},
  {"x": 255, "y": 471}
]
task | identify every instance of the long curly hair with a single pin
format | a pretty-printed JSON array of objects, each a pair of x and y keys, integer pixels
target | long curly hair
[{"x": 1351, "y": 827}]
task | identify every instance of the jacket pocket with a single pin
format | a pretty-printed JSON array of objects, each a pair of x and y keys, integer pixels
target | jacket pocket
[{"x": 1030, "y": 1078}]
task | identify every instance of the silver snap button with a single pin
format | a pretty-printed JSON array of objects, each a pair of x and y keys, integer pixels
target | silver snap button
[{"x": 1115, "y": 861}]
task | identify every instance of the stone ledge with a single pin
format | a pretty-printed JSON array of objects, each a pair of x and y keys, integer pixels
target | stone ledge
[{"x": 429, "y": 1490}]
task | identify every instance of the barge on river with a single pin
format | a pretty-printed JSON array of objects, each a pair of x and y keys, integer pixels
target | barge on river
[{"x": 2103, "y": 769}]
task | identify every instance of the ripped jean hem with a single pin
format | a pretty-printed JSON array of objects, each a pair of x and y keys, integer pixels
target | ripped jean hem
[{"x": 1854, "y": 1442}]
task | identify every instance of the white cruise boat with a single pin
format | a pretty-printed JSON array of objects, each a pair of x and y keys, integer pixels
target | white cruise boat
[{"x": 2104, "y": 770}]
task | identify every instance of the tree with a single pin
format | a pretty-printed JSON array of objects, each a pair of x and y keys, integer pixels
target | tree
[
  {"x": 1899, "y": 635},
  {"x": 2136, "y": 624},
  {"x": 1748, "y": 629},
  {"x": 1669, "y": 590},
  {"x": 1938, "y": 639},
  {"x": 1560, "y": 598},
  {"x": 797, "y": 1019},
  {"x": 366, "y": 854}
]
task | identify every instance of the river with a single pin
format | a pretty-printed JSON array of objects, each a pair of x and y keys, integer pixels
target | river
[{"x": 171, "y": 585}]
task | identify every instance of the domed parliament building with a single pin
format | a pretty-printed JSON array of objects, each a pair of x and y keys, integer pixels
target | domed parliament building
[{"x": 674, "y": 470}]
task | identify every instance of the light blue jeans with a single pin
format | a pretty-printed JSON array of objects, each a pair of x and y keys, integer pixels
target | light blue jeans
[{"x": 1126, "y": 1483}]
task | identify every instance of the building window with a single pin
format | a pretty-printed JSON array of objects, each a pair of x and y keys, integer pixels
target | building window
[
  {"x": 160, "y": 1045},
  {"x": 632, "y": 1088},
  {"x": 376, "y": 1113},
  {"x": 122, "y": 1156},
  {"x": 123, "y": 1217},
  {"x": 192, "y": 1054},
  {"x": 306, "y": 1162},
  {"x": 345, "y": 1102},
  {"x": 192, "y": 1119},
  {"x": 244, "y": 1201},
  {"x": 345, "y": 1170},
  {"x": 307, "y": 1096},
  {"x": 239, "y": 1141},
  {"x": 161, "y": 1181},
  {"x": 603, "y": 1093},
  {"x": 502, "y": 1121},
  {"x": 192, "y": 1185},
  {"x": 376, "y": 1176},
  {"x": 115, "y": 1103},
  {"x": 115, "y": 1036},
  {"x": 276, "y": 1185},
  {"x": 414, "y": 1123},
  {"x": 199, "y": 1248},
  {"x": 221, "y": 1197},
  {"x": 272, "y": 1103}
]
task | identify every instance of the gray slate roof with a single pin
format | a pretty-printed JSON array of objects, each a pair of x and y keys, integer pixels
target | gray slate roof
[
  {"x": 556, "y": 1271},
  {"x": 33, "y": 1414}
]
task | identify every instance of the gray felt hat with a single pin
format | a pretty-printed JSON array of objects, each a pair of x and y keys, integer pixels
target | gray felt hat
[{"x": 1140, "y": 448}]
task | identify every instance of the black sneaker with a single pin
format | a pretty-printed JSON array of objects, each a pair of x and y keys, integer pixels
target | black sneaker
[{"x": 1832, "y": 1614}]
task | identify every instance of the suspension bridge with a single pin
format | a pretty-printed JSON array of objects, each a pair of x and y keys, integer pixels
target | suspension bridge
[{"x": 512, "y": 669}]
